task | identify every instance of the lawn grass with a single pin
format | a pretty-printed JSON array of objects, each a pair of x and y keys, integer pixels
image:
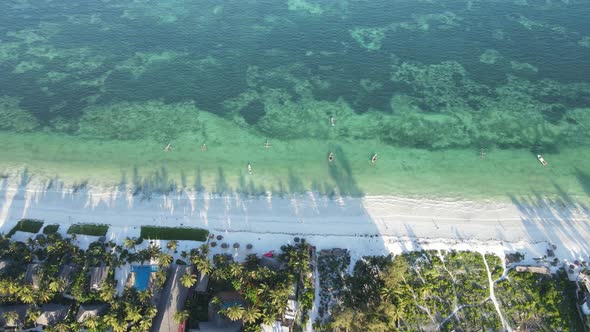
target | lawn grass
[
  {"x": 50, "y": 229},
  {"x": 26, "y": 225},
  {"x": 174, "y": 233},
  {"x": 88, "y": 229}
]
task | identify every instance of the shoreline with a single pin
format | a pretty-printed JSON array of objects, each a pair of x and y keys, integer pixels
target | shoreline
[{"x": 294, "y": 166}]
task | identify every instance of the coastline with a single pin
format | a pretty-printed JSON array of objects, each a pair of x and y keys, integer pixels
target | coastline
[{"x": 296, "y": 166}]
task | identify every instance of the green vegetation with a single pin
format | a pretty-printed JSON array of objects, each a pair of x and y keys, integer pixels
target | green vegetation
[
  {"x": 51, "y": 269},
  {"x": 26, "y": 225},
  {"x": 88, "y": 229},
  {"x": 530, "y": 300},
  {"x": 50, "y": 229},
  {"x": 256, "y": 291},
  {"x": 174, "y": 233},
  {"x": 447, "y": 291}
]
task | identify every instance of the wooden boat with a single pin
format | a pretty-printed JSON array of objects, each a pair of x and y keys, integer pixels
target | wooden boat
[
  {"x": 374, "y": 159},
  {"x": 541, "y": 160}
]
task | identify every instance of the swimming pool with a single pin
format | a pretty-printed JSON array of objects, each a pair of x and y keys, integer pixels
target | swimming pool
[{"x": 142, "y": 275}]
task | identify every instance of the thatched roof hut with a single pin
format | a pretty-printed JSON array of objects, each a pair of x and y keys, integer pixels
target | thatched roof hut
[
  {"x": 87, "y": 311},
  {"x": 52, "y": 313},
  {"x": 98, "y": 275}
]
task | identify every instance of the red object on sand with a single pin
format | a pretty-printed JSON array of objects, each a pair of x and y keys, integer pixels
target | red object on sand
[{"x": 269, "y": 254}]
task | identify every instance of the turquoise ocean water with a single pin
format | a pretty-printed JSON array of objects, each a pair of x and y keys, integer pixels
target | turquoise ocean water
[{"x": 420, "y": 83}]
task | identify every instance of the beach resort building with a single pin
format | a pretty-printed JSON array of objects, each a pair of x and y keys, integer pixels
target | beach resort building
[
  {"x": 98, "y": 275},
  {"x": 19, "y": 313},
  {"x": 90, "y": 311},
  {"x": 33, "y": 275},
  {"x": 51, "y": 314}
]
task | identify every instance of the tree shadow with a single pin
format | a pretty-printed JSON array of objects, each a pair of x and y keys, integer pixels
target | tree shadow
[
  {"x": 559, "y": 221},
  {"x": 158, "y": 182},
  {"x": 221, "y": 185},
  {"x": 584, "y": 179},
  {"x": 198, "y": 185},
  {"x": 295, "y": 184},
  {"x": 340, "y": 171}
]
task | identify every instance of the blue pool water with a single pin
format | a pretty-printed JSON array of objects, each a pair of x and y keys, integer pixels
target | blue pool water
[{"x": 142, "y": 275}]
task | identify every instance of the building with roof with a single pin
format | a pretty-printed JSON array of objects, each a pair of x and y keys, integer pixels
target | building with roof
[
  {"x": 33, "y": 275},
  {"x": 202, "y": 283},
  {"x": 533, "y": 269},
  {"x": 89, "y": 311},
  {"x": 21, "y": 314},
  {"x": 98, "y": 275},
  {"x": 172, "y": 300},
  {"x": 52, "y": 313}
]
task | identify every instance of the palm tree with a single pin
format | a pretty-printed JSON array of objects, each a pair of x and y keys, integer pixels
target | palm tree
[
  {"x": 251, "y": 314},
  {"x": 144, "y": 296},
  {"x": 181, "y": 316},
  {"x": 188, "y": 280},
  {"x": 111, "y": 319},
  {"x": 145, "y": 324},
  {"x": 150, "y": 312},
  {"x": 61, "y": 327},
  {"x": 26, "y": 294},
  {"x": 133, "y": 313},
  {"x": 164, "y": 259},
  {"x": 236, "y": 270},
  {"x": 129, "y": 243},
  {"x": 107, "y": 292},
  {"x": 235, "y": 312},
  {"x": 203, "y": 265},
  {"x": 11, "y": 318},
  {"x": 32, "y": 314},
  {"x": 172, "y": 245},
  {"x": 43, "y": 295},
  {"x": 57, "y": 285},
  {"x": 10, "y": 287},
  {"x": 91, "y": 323}
]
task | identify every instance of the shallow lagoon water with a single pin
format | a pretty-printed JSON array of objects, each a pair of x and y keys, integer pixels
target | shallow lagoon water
[{"x": 93, "y": 92}]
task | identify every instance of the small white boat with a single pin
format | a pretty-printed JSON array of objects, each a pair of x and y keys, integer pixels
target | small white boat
[
  {"x": 541, "y": 160},
  {"x": 374, "y": 159}
]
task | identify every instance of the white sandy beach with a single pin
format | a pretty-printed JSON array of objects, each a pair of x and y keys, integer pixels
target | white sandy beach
[{"x": 367, "y": 225}]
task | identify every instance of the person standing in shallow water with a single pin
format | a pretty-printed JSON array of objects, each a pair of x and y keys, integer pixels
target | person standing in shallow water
[
  {"x": 203, "y": 147},
  {"x": 332, "y": 121},
  {"x": 331, "y": 157},
  {"x": 249, "y": 168}
]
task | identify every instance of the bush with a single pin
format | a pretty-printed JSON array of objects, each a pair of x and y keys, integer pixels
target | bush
[
  {"x": 50, "y": 229},
  {"x": 26, "y": 225},
  {"x": 174, "y": 233},
  {"x": 88, "y": 229}
]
